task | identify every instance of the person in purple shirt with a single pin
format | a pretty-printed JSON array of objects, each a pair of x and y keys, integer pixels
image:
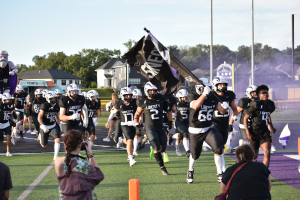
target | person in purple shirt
[{"x": 77, "y": 176}]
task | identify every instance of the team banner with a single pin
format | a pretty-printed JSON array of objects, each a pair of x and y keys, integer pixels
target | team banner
[{"x": 158, "y": 65}]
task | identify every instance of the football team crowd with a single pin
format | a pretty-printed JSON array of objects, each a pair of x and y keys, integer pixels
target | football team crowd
[{"x": 200, "y": 117}]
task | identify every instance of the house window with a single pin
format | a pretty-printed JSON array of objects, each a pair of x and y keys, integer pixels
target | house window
[
  {"x": 70, "y": 82},
  {"x": 55, "y": 81},
  {"x": 63, "y": 82},
  {"x": 134, "y": 81}
]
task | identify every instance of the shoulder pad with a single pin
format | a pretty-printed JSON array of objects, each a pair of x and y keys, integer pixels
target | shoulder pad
[{"x": 254, "y": 104}]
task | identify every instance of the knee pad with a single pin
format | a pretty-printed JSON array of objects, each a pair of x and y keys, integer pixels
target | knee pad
[
  {"x": 153, "y": 144},
  {"x": 218, "y": 151}
]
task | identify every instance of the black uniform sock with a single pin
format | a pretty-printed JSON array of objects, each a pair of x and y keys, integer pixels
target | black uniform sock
[
  {"x": 159, "y": 159},
  {"x": 21, "y": 133}
]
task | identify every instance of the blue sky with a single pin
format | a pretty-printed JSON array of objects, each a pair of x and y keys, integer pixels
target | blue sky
[{"x": 32, "y": 28}]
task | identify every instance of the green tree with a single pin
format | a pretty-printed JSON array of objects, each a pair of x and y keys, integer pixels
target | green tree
[{"x": 129, "y": 44}]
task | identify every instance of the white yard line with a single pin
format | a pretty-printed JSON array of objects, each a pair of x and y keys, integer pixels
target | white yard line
[
  {"x": 35, "y": 182},
  {"x": 296, "y": 157}
]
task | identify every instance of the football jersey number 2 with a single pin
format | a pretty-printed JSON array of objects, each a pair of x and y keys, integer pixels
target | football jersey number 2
[
  {"x": 153, "y": 115},
  {"x": 205, "y": 115}
]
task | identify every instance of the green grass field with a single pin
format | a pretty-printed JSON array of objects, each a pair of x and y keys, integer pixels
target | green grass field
[
  {"x": 26, "y": 168},
  {"x": 103, "y": 92}
]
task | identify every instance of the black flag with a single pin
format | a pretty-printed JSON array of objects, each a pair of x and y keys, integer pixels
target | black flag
[{"x": 158, "y": 65}]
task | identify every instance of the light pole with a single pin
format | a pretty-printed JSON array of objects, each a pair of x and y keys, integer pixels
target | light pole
[
  {"x": 211, "y": 40},
  {"x": 292, "y": 47},
  {"x": 252, "y": 49}
]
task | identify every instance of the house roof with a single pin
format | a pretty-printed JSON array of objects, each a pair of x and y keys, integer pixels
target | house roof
[
  {"x": 47, "y": 74},
  {"x": 50, "y": 83},
  {"x": 111, "y": 63}
]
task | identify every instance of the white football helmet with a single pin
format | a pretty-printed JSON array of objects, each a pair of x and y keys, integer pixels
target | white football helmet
[
  {"x": 83, "y": 94},
  {"x": 251, "y": 88},
  {"x": 50, "y": 95},
  {"x": 72, "y": 87},
  {"x": 217, "y": 80},
  {"x": 182, "y": 93},
  {"x": 124, "y": 91},
  {"x": 92, "y": 95},
  {"x": 6, "y": 96},
  {"x": 45, "y": 91},
  {"x": 19, "y": 87},
  {"x": 137, "y": 92},
  {"x": 149, "y": 86},
  {"x": 38, "y": 91},
  {"x": 205, "y": 82},
  {"x": 57, "y": 91}
]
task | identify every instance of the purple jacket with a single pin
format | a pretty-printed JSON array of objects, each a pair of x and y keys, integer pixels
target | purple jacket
[{"x": 81, "y": 182}]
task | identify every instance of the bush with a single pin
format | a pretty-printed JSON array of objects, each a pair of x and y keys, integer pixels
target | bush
[{"x": 93, "y": 84}]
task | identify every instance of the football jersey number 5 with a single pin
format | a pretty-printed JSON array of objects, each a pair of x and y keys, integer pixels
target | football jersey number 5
[
  {"x": 205, "y": 115},
  {"x": 184, "y": 114}
]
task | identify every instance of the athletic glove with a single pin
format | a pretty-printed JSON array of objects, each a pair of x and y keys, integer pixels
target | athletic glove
[
  {"x": 230, "y": 128},
  {"x": 11, "y": 73},
  {"x": 44, "y": 128},
  {"x": 225, "y": 105},
  {"x": 15, "y": 121},
  {"x": 206, "y": 91},
  {"x": 170, "y": 125},
  {"x": 75, "y": 116}
]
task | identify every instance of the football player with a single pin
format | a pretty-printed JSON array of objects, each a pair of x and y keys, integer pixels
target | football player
[
  {"x": 138, "y": 138},
  {"x": 49, "y": 119},
  {"x": 19, "y": 99},
  {"x": 202, "y": 106},
  {"x": 221, "y": 121},
  {"x": 153, "y": 104},
  {"x": 93, "y": 104},
  {"x": 6, "y": 110},
  {"x": 71, "y": 109},
  {"x": 35, "y": 102},
  {"x": 182, "y": 122},
  {"x": 243, "y": 106},
  {"x": 58, "y": 93},
  {"x": 259, "y": 134},
  {"x": 127, "y": 107}
]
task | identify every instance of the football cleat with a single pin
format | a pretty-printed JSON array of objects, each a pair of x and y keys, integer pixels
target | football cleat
[
  {"x": 166, "y": 158},
  {"x": 29, "y": 131},
  {"x": 219, "y": 176},
  {"x": 188, "y": 153},
  {"x": 106, "y": 139},
  {"x": 164, "y": 171},
  {"x": 178, "y": 153},
  {"x": 190, "y": 177},
  {"x": 132, "y": 162},
  {"x": 273, "y": 148},
  {"x": 151, "y": 152},
  {"x": 8, "y": 154},
  {"x": 33, "y": 132},
  {"x": 135, "y": 153}
]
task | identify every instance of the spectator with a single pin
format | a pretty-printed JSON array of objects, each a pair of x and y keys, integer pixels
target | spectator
[
  {"x": 5, "y": 182},
  {"x": 77, "y": 177},
  {"x": 251, "y": 182},
  {"x": 112, "y": 122}
]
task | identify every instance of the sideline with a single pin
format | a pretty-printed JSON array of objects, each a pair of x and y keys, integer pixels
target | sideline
[{"x": 35, "y": 182}]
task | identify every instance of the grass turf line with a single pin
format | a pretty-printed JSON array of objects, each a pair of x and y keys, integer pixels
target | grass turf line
[{"x": 117, "y": 173}]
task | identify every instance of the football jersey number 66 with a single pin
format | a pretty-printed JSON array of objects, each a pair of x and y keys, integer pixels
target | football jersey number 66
[{"x": 205, "y": 115}]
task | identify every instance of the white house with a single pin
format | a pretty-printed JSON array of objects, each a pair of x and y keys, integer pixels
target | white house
[
  {"x": 106, "y": 73},
  {"x": 49, "y": 78}
]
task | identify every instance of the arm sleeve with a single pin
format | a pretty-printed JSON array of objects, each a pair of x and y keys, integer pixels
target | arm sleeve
[
  {"x": 11, "y": 66},
  {"x": 93, "y": 178},
  {"x": 43, "y": 107},
  {"x": 61, "y": 103}
]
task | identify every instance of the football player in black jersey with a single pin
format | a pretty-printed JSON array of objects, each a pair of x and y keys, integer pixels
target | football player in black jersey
[
  {"x": 127, "y": 107},
  {"x": 49, "y": 122},
  {"x": 138, "y": 138},
  {"x": 93, "y": 105},
  {"x": 153, "y": 104},
  {"x": 6, "y": 110},
  {"x": 71, "y": 109},
  {"x": 19, "y": 99},
  {"x": 202, "y": 106},
  {"x": 182, "y": 122},
  {"x": 243, "y": 105},
  {"x": 35, "y": 102},
  {"x": 58, "y": 93},
  {"x": 261, "y": 125},
  {"x": 221, "y": 121}
]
